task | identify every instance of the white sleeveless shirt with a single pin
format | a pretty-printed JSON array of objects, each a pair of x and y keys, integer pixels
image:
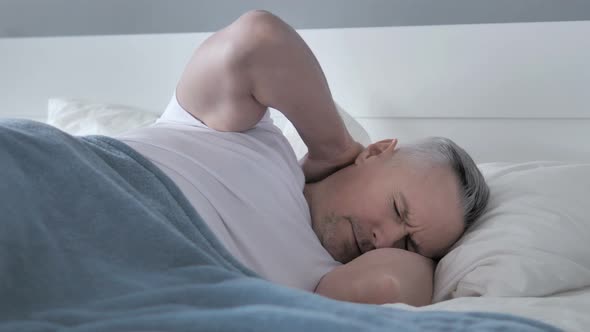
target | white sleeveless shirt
[{"x": 247, "y": 187}]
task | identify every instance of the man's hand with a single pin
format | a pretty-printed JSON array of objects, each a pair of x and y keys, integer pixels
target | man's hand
[
  {"x": 318, "y": 169},
  {"x": 385, "y": 275}
]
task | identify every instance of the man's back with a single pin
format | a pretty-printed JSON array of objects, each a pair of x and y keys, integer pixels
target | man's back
[{"x": 247, "y": 186}]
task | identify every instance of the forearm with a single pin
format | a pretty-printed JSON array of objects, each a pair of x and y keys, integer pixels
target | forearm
[
  {"x": 286, "y": 76},
  {"x": 381, "y": 276}
]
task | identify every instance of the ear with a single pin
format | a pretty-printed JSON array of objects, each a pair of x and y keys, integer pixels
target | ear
[{"x": 384, "y": 148}]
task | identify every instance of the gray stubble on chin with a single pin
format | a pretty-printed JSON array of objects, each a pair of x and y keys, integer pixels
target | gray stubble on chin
[
  {"x": 323, "y": 230},
  {"x": 327, "y": 233}
]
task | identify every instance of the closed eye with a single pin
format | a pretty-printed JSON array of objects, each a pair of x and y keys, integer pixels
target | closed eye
[
  {"x": 407, "y": 238},
  {"x": 408, "y": 241},
  {"x": 396, "y": 209}
]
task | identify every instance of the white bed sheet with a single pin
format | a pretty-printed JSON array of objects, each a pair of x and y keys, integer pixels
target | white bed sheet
[{"x": 569, "y": 311}]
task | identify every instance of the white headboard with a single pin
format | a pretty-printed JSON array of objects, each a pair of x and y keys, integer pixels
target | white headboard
[{"x": 505, "y": 92}]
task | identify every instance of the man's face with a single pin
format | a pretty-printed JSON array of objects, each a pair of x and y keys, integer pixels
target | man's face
[{"x": 373, "y": 204}]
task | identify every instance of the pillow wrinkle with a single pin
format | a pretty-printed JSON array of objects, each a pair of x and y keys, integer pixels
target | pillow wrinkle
[{"x": 530, "y": 241}]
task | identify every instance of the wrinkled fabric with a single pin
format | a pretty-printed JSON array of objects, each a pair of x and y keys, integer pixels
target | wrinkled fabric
[{"x": 93, "y": 237}]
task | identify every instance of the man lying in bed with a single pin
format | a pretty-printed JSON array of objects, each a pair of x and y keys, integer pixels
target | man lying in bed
[{"x": 351, "y": 223}]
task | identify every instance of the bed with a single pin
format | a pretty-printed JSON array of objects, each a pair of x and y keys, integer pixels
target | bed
[{"x": 515, "y": 96}]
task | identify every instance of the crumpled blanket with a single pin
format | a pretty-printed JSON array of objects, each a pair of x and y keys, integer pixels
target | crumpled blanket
[{"x": 94, "y": 237}]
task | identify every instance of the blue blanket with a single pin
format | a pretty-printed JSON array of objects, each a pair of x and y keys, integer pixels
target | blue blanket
[{"x": 93, "y": 237}]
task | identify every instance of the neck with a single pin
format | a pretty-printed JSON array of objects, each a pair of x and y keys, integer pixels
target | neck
[
  {"x": 314, "y": 196},
  {"x": 317, "y": 193},
  {"x": 310, "y": 192}
]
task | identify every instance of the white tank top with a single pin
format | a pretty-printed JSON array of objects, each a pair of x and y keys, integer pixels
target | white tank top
[{"x": 247, "y": 187}]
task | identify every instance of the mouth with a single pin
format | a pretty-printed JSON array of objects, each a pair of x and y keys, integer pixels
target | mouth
[{"x": 355, "y": 238}]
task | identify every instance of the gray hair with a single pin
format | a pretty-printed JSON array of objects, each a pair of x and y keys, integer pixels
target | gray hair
[{"x": 473, "y": 188}]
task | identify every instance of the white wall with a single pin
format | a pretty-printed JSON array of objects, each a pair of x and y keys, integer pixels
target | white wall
[
  {"x": 507, "y": 92},
  {"x": 29, "y": 18}
]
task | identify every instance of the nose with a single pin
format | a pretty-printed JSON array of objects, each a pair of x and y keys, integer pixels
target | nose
[{"x": 389, "y": 236}]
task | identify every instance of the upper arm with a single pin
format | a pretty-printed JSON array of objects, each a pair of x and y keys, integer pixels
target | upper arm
[
  {"x": 385, "y": 275},
  {"x": 347, "y": 284},
  {"x": 215, "y": 86}
]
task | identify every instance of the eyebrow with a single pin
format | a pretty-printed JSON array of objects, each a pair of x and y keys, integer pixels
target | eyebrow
[{"x": 405, "y": 214}]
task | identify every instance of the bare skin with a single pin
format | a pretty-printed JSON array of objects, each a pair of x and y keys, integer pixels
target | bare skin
[
  {"x": 374, "y": 204},
  {"x": 385, "y": 223},
  {"x": 394, "y": 272},
  {"x": 259, "y": 61}
]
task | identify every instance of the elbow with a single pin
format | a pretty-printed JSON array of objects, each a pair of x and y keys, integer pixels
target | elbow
[{"x": 254, "y": 33}]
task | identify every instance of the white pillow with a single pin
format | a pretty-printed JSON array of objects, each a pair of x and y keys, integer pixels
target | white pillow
[
  {"x": 531, "y": 241},
  {"x": 82, "y": 117}
]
